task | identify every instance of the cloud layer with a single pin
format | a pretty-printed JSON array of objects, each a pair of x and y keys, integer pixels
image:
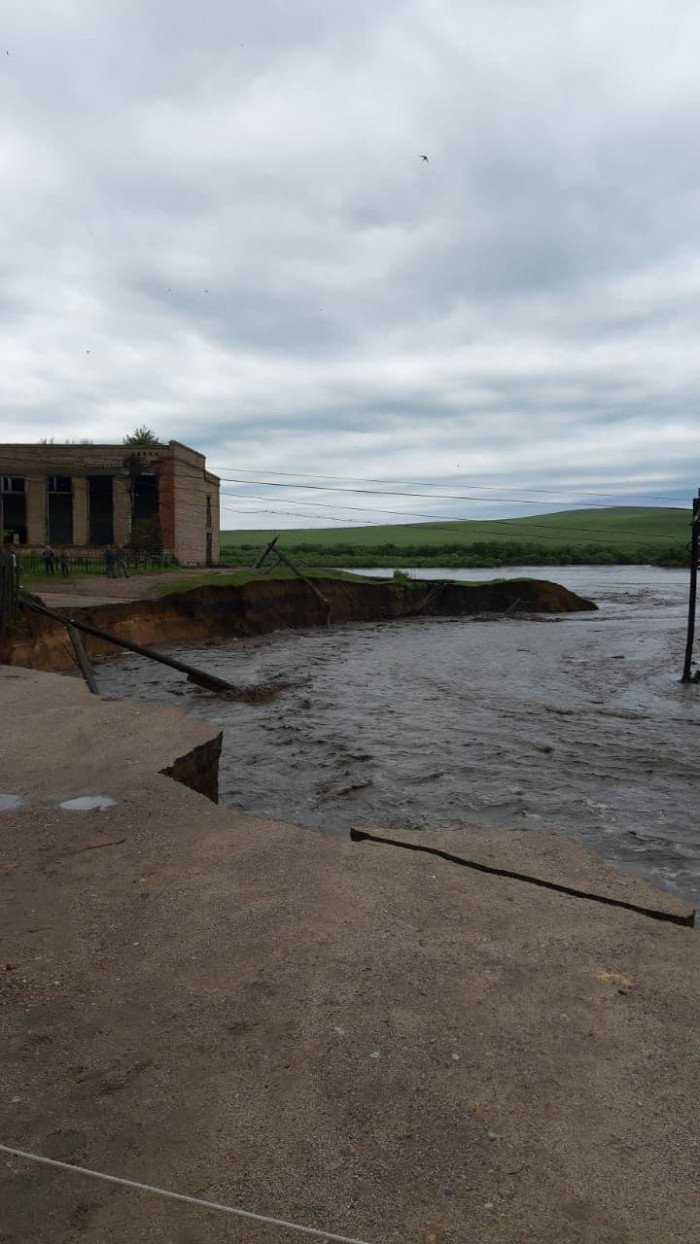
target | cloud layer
[{"x": 215, "y": 220}]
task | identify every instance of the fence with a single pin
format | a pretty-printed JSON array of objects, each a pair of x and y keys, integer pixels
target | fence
[{"x": 91, "y": 563}]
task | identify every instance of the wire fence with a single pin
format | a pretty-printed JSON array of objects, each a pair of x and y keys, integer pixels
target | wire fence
[{"x": 92, "y": 563}]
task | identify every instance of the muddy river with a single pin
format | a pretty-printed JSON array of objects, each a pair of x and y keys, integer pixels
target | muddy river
[{"x": 575, "y": 723}]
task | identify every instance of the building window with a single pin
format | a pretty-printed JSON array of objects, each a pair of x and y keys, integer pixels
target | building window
[
  {"x": 60, "y": 483},
  {"x": 60, "y": 509},
  {"x": 144, "y": 504},
  {"x": 13, "y": 508},
  {"x": 208, "y": 511},
  {"x": 101, "y": 501}
]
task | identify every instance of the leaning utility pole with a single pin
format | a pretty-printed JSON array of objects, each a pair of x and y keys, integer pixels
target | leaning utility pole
[{"x": 694, "y": 553}]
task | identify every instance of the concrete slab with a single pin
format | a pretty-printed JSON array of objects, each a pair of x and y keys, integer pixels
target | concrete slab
[
  {"x": 364, "y": 1039},
  {"x": 61, "y": 742}
]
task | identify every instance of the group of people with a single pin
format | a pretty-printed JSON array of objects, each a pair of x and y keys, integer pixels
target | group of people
[
  {"x": 51, "y": 559},
  {"x": 115, "y": 562}
]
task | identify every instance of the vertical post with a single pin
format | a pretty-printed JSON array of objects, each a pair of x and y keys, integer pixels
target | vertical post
[
  {"x": 9, "y": 581},
  {"x": 692, "y": 596}
]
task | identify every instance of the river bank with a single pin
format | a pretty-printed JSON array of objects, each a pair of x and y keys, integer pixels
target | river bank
[{"x": 262, "y": 605}]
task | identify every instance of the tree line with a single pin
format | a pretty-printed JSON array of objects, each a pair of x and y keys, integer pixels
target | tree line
[{"x": 483, "y": 554}]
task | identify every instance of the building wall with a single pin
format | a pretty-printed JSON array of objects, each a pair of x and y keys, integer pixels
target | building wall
[
  {"x": 35, "y": 492},
  {"x": 166, "y": 502},
  {"x": 81, "y": 528},
  {"x": 122, "y": 511},
  {"x": 212, "y": 488},
  {"x": 190, "y": 495}
]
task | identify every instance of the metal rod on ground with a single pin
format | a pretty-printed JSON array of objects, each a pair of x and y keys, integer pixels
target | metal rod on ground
[
  {"x": 694, "y": 550},
  {"x": 209, "y": 681},
  {"x": 261, "y": 556},
  {"x": 81, "y": 657}
]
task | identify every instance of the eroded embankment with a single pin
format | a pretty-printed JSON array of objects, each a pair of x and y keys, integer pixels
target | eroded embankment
[{"x": 258, "y": 607}]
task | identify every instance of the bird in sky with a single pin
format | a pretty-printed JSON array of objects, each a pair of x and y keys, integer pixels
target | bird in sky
[{"x": 423, "y": 157}]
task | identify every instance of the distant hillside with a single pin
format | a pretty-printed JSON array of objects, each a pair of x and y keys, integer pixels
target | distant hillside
[{"x": 616, "y": 534}]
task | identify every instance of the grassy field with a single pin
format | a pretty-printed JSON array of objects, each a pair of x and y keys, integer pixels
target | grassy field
[
  {"x": 615, "y": 534},
  {"x": 235, "y": 578}
]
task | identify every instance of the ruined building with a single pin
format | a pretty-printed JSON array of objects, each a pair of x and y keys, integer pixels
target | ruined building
[{"x": 82, "y": 496}]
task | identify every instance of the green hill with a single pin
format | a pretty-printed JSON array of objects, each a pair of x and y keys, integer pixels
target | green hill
[{"x": 613, "y": 534}]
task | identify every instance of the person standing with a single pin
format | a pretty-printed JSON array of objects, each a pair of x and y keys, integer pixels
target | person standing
[
  {"x": 48, "y": 559},
  {"x": 110, "y": 559},
  {"x": 63, "y": 563},
  {"x": 121, "y": 563}
]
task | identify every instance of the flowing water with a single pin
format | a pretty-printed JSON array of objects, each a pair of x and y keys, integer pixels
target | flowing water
[{"x": 576, "y": 723}]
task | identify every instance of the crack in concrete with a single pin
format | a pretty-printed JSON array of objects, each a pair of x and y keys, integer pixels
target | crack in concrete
[{"x": 360, "y": 835}]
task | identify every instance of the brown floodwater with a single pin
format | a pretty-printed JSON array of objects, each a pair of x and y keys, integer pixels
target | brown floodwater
[{"x": 576, "y": 723}]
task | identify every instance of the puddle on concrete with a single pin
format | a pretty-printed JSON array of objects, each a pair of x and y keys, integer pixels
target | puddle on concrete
[
  {"x": 88, "y": 803},
  {"x": 8, "y": 803}
]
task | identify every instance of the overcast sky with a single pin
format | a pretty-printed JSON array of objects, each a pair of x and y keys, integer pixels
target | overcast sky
[{"x": 215, "y": 221}]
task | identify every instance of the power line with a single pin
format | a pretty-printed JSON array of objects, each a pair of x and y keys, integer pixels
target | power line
[
  {"x": 433, "y": 484},
  {"x": 441, "y": 518},
  {"x": 341, "y": 518},
  {"x": 385, "y": 492},
  {"x": 372, "y": 509}
]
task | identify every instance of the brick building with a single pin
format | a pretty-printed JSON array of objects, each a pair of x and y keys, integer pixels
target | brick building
[{"x": 78, "y": 496}]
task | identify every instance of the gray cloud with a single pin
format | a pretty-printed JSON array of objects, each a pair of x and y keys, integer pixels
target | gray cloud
[{"x": 215, "y": 221}]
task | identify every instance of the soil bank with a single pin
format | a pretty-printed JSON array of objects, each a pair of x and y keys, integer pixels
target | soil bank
[{"x": 261, "y": 606}]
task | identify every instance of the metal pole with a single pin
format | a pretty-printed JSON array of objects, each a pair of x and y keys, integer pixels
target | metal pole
[{"x": 692, "y": 595}]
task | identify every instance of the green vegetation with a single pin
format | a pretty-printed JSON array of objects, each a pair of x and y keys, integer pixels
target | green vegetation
[
  {"x": 614, "y": 535},
  {"x": 235, "y": 578},
  {"x": 141, "y": 438},
  {"x": 145, "y": 536}
]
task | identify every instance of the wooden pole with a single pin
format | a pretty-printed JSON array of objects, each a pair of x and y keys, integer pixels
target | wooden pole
[
  {"x": 261, "y": 556},
  {"x": 81, "y": 657},
  {"x": 692, "y": 595},
  {"x": 287, "y": 561},
  {"x": 210, "y": 681}
]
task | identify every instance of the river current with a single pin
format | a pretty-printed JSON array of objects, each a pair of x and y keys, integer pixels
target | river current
[{"x": 576, "y": 723}]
